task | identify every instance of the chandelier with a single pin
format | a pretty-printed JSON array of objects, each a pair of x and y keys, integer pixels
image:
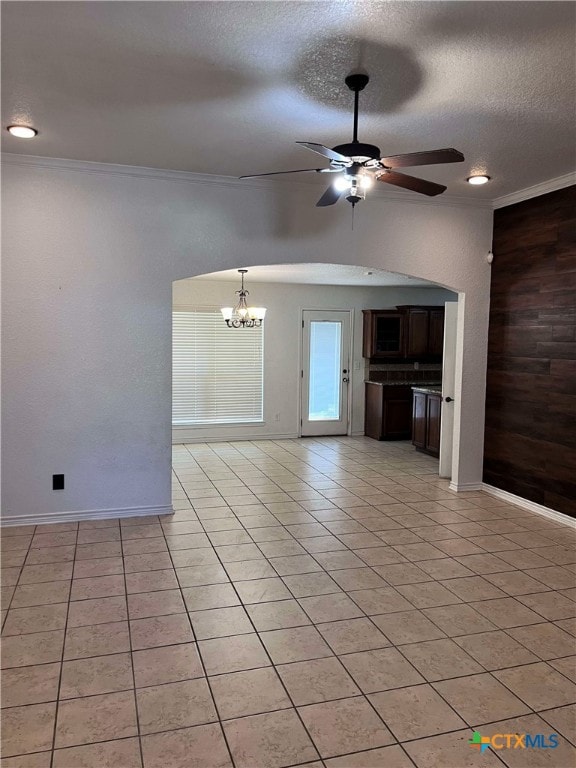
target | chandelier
[{"x": 243, "y": 316}]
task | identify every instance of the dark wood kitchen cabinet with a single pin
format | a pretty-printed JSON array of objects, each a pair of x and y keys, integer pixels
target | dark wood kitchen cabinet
[
  {"x": 407, "y": 333},
  {"x": 436, "y": 333},
  {"x": 418, "y": 325},
  {"x": 383, "y": 334},
  {"x": 424, "y": 333},
  {"x": 388, "y": 413},
  {"x": 419, "y": 420},
  {"x": 426, "y": 410}
]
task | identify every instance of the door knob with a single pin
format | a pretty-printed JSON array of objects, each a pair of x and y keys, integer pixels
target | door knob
[
  {"x": 448, "y": 400},
  {"x": 345, "y": 380}
]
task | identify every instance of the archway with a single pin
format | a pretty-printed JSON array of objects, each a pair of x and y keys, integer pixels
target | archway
[{"x": 288, "y": 291}]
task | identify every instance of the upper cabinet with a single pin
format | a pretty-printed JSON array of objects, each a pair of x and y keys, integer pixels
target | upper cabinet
[
  {"x": 436, "y": 332},
  {"x": 383, "y": 333},
  {"x": 406, "y": 333},
  {"x": 418, "y": 324}
]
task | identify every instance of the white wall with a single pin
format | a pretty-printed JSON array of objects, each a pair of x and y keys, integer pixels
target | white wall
[
  {"x": 90, "y": 253},
  {"x": 282, "y": 337}
]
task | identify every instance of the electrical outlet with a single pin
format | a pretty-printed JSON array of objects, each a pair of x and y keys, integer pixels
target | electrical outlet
[
  {"x": 276, "y": 417},
  {"x": 356, "y": 365},
  {"x": 416, "y": 366}
]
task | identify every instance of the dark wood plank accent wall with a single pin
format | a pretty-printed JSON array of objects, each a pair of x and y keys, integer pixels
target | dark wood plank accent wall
[{"x": 530, "y": 440}]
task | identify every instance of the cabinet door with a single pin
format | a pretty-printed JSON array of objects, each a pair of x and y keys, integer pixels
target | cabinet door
[
  {"x": 388, "y": 335},
  {"x": 383, "y": 334},
  {"x": 417, "y": 342},
  {"x": 436, "y": 333},
  {"x": 433, "y": 407},
  {"x": 373, "y": 411},
  {"x": 397, "y": 417},
  {"x": 419, "y": 420}
]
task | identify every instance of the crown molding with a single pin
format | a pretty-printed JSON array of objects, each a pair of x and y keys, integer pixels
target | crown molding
[
  {"x": 535, "y": 191},
  {"x": 189, "y": 177}
]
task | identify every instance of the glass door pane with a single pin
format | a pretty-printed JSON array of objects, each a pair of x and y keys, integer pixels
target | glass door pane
[{"x": 324, "y": 370}]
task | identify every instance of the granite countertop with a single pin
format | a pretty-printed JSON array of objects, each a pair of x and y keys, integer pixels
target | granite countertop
[
  {"x": 434, "y": 389},
  {"x": 413, "y": 384}
]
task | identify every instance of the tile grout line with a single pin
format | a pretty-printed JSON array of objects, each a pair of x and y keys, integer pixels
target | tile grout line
[
  {"x": 57, "y": 706},
  {"x": 19, "y": 574},
  {"x": 129, "y": 629},
  {"x": 200, "y": 657}
]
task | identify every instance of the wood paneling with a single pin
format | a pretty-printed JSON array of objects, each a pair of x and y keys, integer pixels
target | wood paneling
[{"x": 530, "y": 439}]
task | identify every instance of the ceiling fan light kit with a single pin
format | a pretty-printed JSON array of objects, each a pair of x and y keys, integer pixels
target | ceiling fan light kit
[{"x": 359, "y": 165}]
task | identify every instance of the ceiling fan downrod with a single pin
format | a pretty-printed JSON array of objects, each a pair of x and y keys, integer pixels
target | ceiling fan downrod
[{"x": 356, "y": 83}]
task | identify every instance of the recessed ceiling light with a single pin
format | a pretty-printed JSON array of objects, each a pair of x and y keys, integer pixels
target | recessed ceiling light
[
  {"x": 479, "y": 179},
  {"x": 22, "y": 131}
]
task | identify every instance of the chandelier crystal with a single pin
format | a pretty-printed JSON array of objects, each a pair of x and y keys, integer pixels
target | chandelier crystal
[{"x": 243, "y": 316}]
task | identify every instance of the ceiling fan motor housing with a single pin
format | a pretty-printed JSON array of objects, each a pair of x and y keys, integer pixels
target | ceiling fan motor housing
[{"x": 358, "y": 151}]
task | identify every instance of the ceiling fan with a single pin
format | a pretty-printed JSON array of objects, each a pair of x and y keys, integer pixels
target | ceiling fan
[{"x": 358, "y": 164}]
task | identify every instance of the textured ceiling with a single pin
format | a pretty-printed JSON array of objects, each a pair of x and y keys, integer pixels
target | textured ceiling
[
  {"x": 318, "y": 274},
  {"x": 227, "y": 87}
]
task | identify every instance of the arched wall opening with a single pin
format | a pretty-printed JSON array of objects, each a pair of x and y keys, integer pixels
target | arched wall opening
[
  {"x": 91, "y": 253},
  {"x": 289, "y": 292}
]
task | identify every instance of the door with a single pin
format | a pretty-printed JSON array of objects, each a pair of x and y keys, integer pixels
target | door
[
  {"x": 448, "y": 384},
  {"x": 325, "y": 372}
]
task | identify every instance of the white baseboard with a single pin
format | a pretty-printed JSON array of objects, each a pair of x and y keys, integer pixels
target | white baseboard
[
  {"x": 465, "y": 487},
  {"x": 84, "y": 514},
  {"x": 531, "y": 506}
]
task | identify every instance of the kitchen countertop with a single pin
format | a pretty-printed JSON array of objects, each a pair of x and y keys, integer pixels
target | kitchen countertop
[
  {"x": 413, "y": 384},
  {"x": 435, "y": 389}
]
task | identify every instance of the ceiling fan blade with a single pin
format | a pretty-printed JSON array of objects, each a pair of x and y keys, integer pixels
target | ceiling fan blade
[
  {"x": 411, "y": 182},
  {"x": 278, "y": 173},
  {"x": 331, "y": 196},
  {"x": 325, "y": 151},
  {"x": 431, "y": 157}
]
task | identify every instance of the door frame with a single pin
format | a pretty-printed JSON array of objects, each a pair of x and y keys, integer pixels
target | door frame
[
  {"x": 348, "y": 404},
  {"x": 448, "y": 389}
]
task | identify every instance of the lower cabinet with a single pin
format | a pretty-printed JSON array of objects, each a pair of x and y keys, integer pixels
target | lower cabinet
[
  {"x": 388, "y": 412},
  {"x": 426, "y": 411}
]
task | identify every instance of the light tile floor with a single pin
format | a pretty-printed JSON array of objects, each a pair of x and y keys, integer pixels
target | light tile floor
[{"x": 319, "y": 602}]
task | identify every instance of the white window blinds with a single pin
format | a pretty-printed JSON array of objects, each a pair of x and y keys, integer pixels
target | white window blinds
[{"x": 217, "y": 375}]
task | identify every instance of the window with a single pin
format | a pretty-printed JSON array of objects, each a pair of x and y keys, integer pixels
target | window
[{"x": 217, "y": 372}]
